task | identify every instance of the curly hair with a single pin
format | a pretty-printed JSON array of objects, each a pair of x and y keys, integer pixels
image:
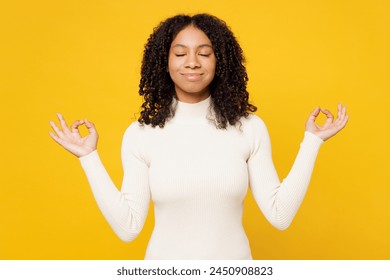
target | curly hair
[{"x": 229, "y": 96}]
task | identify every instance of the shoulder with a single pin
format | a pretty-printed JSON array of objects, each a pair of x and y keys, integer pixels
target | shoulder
[
  {"x": 134, "y": 133},
  {"x": 135, "y": 141},
  {"x": 255, "y": 131},
  {"x": 141, "y": 134},
  {"x": 134, "y": 129},
  {"x": 254, "y": 119},
  {"x": 253, "y": 123},
  {"x": 137, "y": 130}
]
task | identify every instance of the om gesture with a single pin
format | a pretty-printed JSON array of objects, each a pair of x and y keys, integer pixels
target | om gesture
[
  {"x": 71, "y": 139},
  {"x": 330, "y": 127}
]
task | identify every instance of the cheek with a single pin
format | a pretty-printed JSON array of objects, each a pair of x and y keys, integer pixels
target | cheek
[
  {"x": 173, "y": 65},
  {"x": 212, "y": 65},
  {"x": 171, "y": 62},
  {"x": 212, "y": 68},
  {"x": 216, "y": 71},
  {"x": 172, "y": 71},
  {"x": 169, "y": 67}
]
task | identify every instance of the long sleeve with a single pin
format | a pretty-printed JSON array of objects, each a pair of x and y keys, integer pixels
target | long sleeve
[
  {"x": 124, "y": 210},
  {"x": 279, "y": 202}
]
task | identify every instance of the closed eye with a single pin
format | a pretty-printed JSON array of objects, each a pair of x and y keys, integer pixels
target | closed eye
[{"x": 180, "y": 54}]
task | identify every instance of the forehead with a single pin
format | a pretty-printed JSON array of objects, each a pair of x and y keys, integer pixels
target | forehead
[{"x": 191, "y": 36}]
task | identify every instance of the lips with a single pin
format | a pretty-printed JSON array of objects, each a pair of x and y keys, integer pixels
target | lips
[{"x": 192, "y": 76}]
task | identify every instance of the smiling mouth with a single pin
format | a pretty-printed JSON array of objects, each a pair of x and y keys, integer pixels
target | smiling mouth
[{"x": 192, "y": 76}]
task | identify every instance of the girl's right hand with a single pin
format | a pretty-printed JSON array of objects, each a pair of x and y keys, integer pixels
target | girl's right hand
[{"x": 71, "y": 138}]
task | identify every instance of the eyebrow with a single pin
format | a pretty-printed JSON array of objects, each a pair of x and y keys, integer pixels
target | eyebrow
[{"x": 184, "y": 46}]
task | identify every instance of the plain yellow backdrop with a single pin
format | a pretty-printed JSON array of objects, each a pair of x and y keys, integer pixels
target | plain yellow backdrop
[{"x": 82, "y": 58}]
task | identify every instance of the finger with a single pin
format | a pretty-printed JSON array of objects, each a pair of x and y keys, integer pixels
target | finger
[
  {"x": 55, "y": 128},
  {"x": 75, "y": 126},
  {"x": 345, "y": 120},
  {"x": 90, "y": 126},
  {"x": 339, "y": 111},
  {"x": 56, "y": 138},
  {"x": 327, "y": 113},
  {"x": 64, "y": 126},
  {"x": 342, "y": 121},
  {"x": 314, "y": 113},
  {"x": 344, "y": 111},
  {"x": 329, "y": 118}
]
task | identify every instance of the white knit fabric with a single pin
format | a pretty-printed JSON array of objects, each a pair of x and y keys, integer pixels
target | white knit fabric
[{"x": 198, "y": 176}]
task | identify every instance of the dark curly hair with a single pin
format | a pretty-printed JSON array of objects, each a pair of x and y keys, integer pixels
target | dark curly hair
[{"x": 229, "y": 97}]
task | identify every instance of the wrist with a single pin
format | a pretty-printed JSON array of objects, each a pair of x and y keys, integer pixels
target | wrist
[{"x": 87, "y": 153}]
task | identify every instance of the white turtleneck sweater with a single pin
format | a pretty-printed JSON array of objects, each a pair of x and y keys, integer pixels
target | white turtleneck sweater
[{"x": 197, "y": 177}]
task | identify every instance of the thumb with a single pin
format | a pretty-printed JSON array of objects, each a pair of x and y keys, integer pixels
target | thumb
[{"x": 91, "y": 127}]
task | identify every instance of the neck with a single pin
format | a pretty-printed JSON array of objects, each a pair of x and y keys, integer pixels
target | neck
[
  {"x": 192, "y": 112},
  {"x": 193, "y": 97}
]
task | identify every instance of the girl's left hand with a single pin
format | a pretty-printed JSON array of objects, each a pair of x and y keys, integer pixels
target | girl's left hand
[{"x": 330, "y": 127}]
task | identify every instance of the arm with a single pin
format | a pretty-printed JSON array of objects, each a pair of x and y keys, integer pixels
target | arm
[
  {"x": 125, "y": 210},
  {"x": 280, "y": 201}
]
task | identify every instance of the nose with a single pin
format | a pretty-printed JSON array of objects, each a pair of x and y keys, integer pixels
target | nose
[{"x": 192, "y": 61}]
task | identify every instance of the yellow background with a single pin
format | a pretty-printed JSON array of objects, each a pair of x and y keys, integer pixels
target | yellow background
[{"x": 82, "y": 58}]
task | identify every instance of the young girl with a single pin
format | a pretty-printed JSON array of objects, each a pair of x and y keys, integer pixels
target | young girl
[{"x": 195, "y": 149}]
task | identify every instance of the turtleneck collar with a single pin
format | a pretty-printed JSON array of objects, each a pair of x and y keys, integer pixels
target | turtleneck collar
[{"x": 199, "y": 112}]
